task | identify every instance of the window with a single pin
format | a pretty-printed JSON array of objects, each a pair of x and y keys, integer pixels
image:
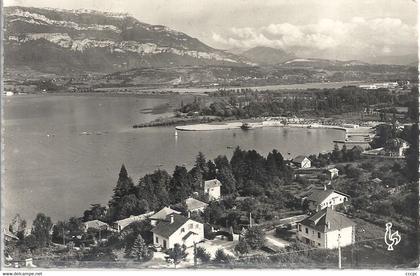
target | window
[
  {"x": 300, "y": 228},
  {"x": 182, "y": 230},
  {"x": 306, "y": 230},
  {"x": 319, "y": 244},
  {"x": 164, "y": 244},
  {"x": 313, "y": 232},
  {"x": 191, "y": 226},
  {"x": 157, "y": 239},
  {"x": 196, "y": 226},
  {"x": 319, "y": 235}
]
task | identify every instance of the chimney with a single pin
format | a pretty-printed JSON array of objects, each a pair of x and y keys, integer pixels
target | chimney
[
  {"x": 325, "y": 187},
  {"x": 171, "y": 218},
  {"x": 189, "y": 214}
]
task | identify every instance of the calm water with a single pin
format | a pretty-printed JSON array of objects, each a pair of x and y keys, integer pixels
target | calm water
[{"x": 51, "y": 167}]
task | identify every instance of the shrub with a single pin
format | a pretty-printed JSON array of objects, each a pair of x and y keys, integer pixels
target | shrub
[
  {"x": 220, "y": 257},
  {"x": 202, "y": 254}
]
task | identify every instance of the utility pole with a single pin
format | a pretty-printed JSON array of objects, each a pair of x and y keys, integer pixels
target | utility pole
[
  {"x": 339, "y": 251},
  {"x": 195, "y": 254},
  {"x": 64, "y": 238}
]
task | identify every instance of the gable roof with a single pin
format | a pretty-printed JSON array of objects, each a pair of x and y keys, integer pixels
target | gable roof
[
  {"x": 194, "y": 204},
  {"x": 299, "y": 159},
  {"x": 163, "y": 213},
  {"x": 212, "y": 184},
  {"x": 165, "y": 228},
  {"x": 96, "y": 224},
  {"x": 320, "y": 221},
  {"x": 125, "y": 222},
  {"x": 320, "y": 195}
]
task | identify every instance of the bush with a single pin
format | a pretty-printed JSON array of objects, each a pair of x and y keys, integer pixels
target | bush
[
  {"x": 202, "y": 254},
  {"x": 220, "y": 257}
]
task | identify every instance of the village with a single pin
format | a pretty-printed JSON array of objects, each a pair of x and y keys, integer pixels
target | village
[{"x": 320, "y": 213}]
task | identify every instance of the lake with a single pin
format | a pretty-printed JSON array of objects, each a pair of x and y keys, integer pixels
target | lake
[{"x": 52, "y": 166}]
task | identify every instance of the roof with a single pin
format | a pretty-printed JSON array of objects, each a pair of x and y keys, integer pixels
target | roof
[
  {"x": 309, "y": 190},
  {"x": 125, "y": 222},
  {"x": 333, "y": 170},
  {"x": 320, "y": 195},
  {"x": 194, "y": 204},
  {"x": 165, "y": 228},
  {"x": 188, "y": 235},
  {"x": 377, "y": 180},
  {"x": 299, "y": 159},
  {"x": 6, "y": 232},
  {"x": 96, "y": 224},
  {"x": 212, "y": 184},
  {"x": 320, "y": 221},
  {"x": 163, "y": 213}
]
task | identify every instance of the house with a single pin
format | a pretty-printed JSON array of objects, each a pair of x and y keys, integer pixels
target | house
[
  {"x": 177, "y": 229},
  {"x": 302, "y": 162},
  {"x": 212, "y": 189},
  {"x": 320, "y": 199},
  {"x": 194, "y": 205},
  {"x": 332, "y": 173},
  {"x": 326, "y": 229},
  {"x": 95, "y": 224},
  {"x": 161, "y": 215},
  {"x": 119, "y": 225}
]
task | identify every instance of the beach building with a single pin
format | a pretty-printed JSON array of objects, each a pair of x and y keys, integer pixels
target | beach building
[
  {"x": 119, "y": 225},
  {"x": 177, "y": 229},
  {"x": 326, "y": 229},
  {"x": 195, "y": 205},
  {"x": 212, "y": 189},
  {"x": 326, "y": 198},
  {"x": 161, "y": 215},
  {"x": 302, "y": 162}
]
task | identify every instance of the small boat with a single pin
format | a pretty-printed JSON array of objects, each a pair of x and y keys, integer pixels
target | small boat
[
  {"x": 229, "y": 147},
  {"x": 176, "y": 133}
]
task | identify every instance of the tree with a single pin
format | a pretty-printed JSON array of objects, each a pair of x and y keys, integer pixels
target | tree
[
  {"x": 242, "y": 247},
  {"x": 202, "y": 254},
  {"x": 254, "y": 237},
  {"x": 30, "y": 242},
  {"x": 177, "y": 254},
  {"x": 96, "y": 212},
  {"x": 201, "y": 163},
  {"x": 220, "y": 257},
  {"x": 153, "y": 188},
  {"x": 225, "y": 175},
  {"x": 41, "y": 227},
  {"x": 130, "y": 205},
  {"x": 139, "y": 250},
  {"x": 18, "y": 226},
  {"x": 179, "y": 187},
  {"x": 123, "y": 188}
]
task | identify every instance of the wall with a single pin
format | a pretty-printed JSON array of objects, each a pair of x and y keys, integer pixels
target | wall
[
  {"x": 214, "y": 193},
  {"x": 327, "y": 240},
  {"x": 312, "y": 235},
  {"x": 178, "y": 235}
]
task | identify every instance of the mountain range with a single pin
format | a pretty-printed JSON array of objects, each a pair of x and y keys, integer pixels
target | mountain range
[
  {"x": 84, "y": 40},
  {"x": 74, "y": 41}
]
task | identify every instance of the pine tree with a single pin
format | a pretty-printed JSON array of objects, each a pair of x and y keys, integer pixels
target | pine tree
[
  {"x": 179, "y": 187},
  {"x": 139, "y": 250},
  {"x": 123, "y": 188}
]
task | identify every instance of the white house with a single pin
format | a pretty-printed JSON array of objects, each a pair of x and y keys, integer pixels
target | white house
[
  {"x": 326, "y": 229},
  {"x": 332, "y": 173},
  {"x": 95, "y": 224},
  {"x": 161, "y": 215},
  {"x": 212, "y": 188},
  {"x": 194, "y": 205},
  {"x": 320, "y": 199},
  {"x": 177, "y": 229},
  {"x": 302, "y": 162},
  {"x": 121, "y": 224}
]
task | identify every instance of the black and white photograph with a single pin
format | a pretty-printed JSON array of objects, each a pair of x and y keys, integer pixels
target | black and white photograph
[{"x": 212, "y": 134}]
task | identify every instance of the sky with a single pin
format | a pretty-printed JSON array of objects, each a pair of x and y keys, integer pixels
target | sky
[{"x": 343, "y": 29}]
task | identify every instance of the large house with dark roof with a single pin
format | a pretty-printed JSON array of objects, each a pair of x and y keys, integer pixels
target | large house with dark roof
[
  {"x": 161, "y": 215},
  {"x": 177, "y": 229},
  {"x": 326, "y": 229},
  {"x": 320, "y": 199}
]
